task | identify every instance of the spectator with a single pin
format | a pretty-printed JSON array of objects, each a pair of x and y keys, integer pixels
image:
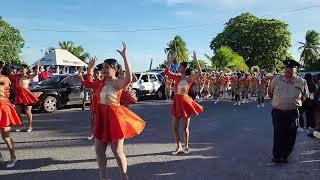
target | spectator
[
  {"x": 35, "y": 80},
  {"x": 56, "y": 70},
  {"x": 310, "y": 103},
  {"x": 316, "y": 133},
  {"x": 45, "y": 74}
]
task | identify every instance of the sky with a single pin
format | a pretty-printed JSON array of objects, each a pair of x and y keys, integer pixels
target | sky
[{"x": 205, "y": 18}]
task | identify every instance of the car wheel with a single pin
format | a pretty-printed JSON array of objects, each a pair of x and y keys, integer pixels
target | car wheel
[
  {"x": 49, "y": 104},
  {"x": 159, "y": 94}
]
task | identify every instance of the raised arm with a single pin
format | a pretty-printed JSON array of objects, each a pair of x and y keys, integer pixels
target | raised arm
[
  {"x": 167, "y": 72},
  {"x": 134, "y": 78},
  {"x": 31, "y": 76},
  {"x": 89, "y": 82},
  {"x": 123, "y": 82},
  {"x": 192, "y": 78}
]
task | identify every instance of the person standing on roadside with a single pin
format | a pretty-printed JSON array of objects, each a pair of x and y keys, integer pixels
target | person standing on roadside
[{"x": 287, "y": 92}]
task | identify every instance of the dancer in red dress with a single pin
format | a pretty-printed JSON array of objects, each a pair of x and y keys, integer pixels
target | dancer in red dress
[
  {"x": 88, "y": 83},
  {"x": 8, "y": 115},
  {"x": 127, "y": 97},
  {"x": 24, "y": 99},
  {"x": 113, "y": 122},
  {"x": 183, "y": 106}
]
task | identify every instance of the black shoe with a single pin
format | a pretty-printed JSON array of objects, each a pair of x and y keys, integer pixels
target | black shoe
[
  {"x": 284, "y": 160},
  {"x": 275, "y": 160}
]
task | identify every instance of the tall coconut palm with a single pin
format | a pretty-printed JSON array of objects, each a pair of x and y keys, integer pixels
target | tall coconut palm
[
  {"x": 179, "y": 46},
  {"x": 310, "y": 48},
  {"x": 78, "y": 51}
]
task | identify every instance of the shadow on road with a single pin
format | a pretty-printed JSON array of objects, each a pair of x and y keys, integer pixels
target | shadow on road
[{"x": 178, "y": 169}]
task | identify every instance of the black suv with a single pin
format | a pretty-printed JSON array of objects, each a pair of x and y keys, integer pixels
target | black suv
[{"x": 57, "y": 92}]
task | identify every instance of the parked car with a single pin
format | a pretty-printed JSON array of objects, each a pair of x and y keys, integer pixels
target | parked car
[
  {"x": 149, "y": 84},
  {"x": 57, "y": 92}
]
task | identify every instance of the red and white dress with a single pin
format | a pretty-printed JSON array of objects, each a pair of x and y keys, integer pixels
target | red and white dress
[
  {"x": 23, "y": 95},
  {"x": 90, "y": 83},
  {"x": 183, "y": 105},
  {"x": 113, "y": 121},
  {"x": 8, "y": 115}
]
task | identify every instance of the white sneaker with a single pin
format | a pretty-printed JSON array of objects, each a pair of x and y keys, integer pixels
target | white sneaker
[
  {"x": 262, "y": 105},
  {"x": 12, "y": 163},
  {"x": 244, "y": 101},
  {"x": 177, "y": 151},
  {"x": 90, "y": 137},
  {"x": 235, "y": 104},
  {"x": 29, "y": 129},
  {"x": 239, "y": 103},
  {"x": 316, "y": 134},
  {"x": 186, "y": 151},
  {"x": 258, "y": 106},
  {"x": 18, "y": 130}
]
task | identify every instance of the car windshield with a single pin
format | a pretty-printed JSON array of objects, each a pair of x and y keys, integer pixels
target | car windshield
[
  {"x": 137, "y": 75},
  {"x": 51, "y": 81}
]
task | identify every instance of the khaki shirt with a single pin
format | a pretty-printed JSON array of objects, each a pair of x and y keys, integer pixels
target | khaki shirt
[{"x": 288, "y": 95}]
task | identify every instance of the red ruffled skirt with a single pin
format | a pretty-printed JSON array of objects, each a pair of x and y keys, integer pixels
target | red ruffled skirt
[
  {"x": 24, "y": 97},
  {"x": 127, "y": 99},
  {"x": 185, "y": 107},
  {"x": 94, "y": 104},
  {"x": 114, "y": 122},
  {"x": 8, "y": 115}
]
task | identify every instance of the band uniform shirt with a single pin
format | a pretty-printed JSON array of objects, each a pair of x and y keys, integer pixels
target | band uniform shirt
[{"x": 288, "y": 95}]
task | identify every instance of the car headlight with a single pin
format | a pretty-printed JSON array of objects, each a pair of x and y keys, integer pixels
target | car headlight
[{"x": 37, "y": 94}]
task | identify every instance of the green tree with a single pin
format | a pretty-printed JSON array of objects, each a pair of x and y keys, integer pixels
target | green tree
[
  {"x": 310, "y": 55},
  {"x": 78, "y": 51},
  {"x": 11, "y": 43},
  {"x": 177, "y": 45},
  {"x": 225, "y": 58},
  {"x": 202, "y": 63},
  {"x": 262, "y": 42}
]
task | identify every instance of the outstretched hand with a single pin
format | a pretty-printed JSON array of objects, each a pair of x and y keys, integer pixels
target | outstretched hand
[
  {"x": 80, "y": 70},
  {"x": 123, "y": 53},
  {"x": 92, "y": 62}
]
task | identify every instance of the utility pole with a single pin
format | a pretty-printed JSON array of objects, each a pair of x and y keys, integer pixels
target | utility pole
[{"x": 150, "y": 64}]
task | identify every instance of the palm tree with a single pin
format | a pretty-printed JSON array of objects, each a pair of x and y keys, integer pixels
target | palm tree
[
  {"x": 78, "y": 51},
  {"x": 179, "y": 46},
  {"x": 226, "y": 58},
  {"x": 310, "y": 49}
]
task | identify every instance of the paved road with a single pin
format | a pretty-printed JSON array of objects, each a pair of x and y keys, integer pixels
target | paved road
[{"x": 227, "y": 142}]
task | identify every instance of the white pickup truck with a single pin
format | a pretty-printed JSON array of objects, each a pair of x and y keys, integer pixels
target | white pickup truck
[{"x": 149, "y": 84}]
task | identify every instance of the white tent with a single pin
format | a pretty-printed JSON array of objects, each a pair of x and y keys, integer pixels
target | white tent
[{"x": 60, "y": 57}]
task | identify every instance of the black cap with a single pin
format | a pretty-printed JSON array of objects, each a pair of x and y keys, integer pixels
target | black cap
[{"x": 291, "y": 63}]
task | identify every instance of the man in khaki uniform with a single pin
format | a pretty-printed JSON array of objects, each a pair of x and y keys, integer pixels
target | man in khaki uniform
[{"x": 287, "y": 92}]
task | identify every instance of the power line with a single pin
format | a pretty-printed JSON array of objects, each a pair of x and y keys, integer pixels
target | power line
[{"x": 155, "y": 29}]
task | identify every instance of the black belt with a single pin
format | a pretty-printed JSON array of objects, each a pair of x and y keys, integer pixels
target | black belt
[{"x": 291, "y": 110}]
